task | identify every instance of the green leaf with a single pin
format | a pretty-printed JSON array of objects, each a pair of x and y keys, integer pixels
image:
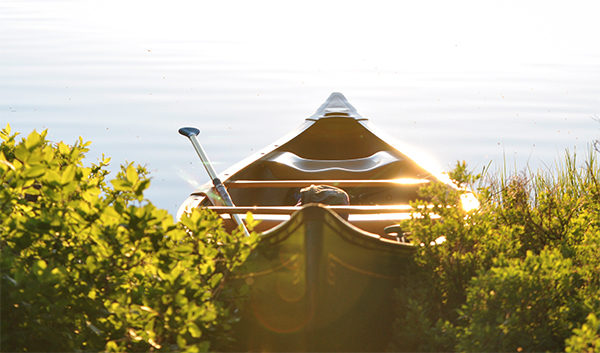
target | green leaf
[
  {"x": 251, "y": 223},
  {"x": 6, "y": 131},
  {"x": 141, "y": 186},
  {"x": 215, "y": 280},
  {"x": 121, "y": 185},
  {"x": 181, "y": 342},
  {"x": 194, "y": 330},
  {"x": 209, "y": 316},
  {"x": 22, "y": 153},
  {"x": 91, "y": 263},
  {"x": 184, "y": 248},
  {"x": 33, "y": 140},
  {"x": 181, "y": 300},
  {"x": 132, "y": 175},
  {"x": 52, "y": 177},
  {"x": 68, "y": 174},
  {"x": 38, "y": 267},
  {"x": 63, "y": 148},
  {"x": 111, "y": 346},
  {"x": 35, "y": 171}
]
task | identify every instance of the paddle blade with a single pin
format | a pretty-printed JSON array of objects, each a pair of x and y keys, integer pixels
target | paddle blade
[{"x": 189, "y": 131}]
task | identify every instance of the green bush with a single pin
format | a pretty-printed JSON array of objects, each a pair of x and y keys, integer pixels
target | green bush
[
  {"x": 585, "y": 339},
  {"x": 88, "y": 265},
  {"x": 437, "y": 285},
  {"x": 528, "y": 304},
  {"x": 518, "y": 274}
]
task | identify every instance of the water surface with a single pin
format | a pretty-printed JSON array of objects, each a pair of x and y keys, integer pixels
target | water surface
[{"x": 500, "y": 83}]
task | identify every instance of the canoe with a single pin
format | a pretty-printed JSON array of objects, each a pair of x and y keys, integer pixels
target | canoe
[{"x": 323, "y": 276}]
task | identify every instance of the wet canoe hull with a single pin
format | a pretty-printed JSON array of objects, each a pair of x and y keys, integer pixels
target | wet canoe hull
[{"x": 319, "y": 284}]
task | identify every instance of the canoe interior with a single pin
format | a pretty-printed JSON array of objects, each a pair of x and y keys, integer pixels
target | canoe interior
[
  {"x": 339, "y": 151},
  {"x": 332, "y": 140}
]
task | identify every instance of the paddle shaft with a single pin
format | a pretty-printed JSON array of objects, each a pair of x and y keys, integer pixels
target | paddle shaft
[{"x": 192, "y": 134}]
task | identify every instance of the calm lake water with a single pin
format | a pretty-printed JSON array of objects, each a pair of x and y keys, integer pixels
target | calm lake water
[{"x": 504, "y": 83}]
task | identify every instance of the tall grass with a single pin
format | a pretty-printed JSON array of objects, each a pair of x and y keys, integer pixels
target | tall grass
[
  {"x": 545, "y": 201},
  {"x": 568, "y": 176}
]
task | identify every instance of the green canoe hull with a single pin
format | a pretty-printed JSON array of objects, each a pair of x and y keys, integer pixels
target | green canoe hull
[{"x": 318, "y": 283}]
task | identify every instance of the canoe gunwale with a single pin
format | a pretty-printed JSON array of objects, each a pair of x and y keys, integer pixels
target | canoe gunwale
[{"x": 347, "y": 231}]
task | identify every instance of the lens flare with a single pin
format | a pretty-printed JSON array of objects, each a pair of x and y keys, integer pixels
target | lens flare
[
  {"x": 469, "y": 202},
  {"x": 187, "y": 178}
]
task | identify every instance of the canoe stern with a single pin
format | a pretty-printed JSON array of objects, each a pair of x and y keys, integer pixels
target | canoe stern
[{"x": 319, "y": 284}]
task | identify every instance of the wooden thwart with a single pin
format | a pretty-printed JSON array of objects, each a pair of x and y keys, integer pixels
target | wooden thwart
[
  {"x": 291, "y": 209},
  {"x": 245, "y": 184}
]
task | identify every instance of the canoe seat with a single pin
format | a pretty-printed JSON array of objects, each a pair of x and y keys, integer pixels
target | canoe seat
[{"x": 287, "y": 165}]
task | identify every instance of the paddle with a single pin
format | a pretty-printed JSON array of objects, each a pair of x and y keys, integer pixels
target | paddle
[{"x": 191, "y": 133}]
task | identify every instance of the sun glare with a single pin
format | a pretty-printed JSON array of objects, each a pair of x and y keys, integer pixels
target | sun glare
[{"x": 469, "y": 202}]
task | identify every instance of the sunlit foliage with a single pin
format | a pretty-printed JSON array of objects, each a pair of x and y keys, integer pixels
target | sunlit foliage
[{"x": 87, "y": 264}]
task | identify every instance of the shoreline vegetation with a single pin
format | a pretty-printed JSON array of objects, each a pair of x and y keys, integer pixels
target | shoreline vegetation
[
  {"x": 519, "y": 274},
  {"x": 88, "y": 264}
]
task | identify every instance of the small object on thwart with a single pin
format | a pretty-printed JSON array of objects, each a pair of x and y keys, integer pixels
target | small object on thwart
[{"x": 324, "y": 194}]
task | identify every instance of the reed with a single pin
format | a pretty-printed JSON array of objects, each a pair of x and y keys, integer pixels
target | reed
[{"x": 568, "y": 177}]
